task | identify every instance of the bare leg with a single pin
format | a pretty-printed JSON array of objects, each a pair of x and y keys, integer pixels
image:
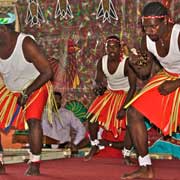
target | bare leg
[
  {"x": 93, "y": 129},
  {"x": 35, "y": 142},
  {"x": 2, "y": 167},
  {"x": 128, "y": 145},
  {"x": 83, "y": 143},
  {"x": 139, "y": 136}
]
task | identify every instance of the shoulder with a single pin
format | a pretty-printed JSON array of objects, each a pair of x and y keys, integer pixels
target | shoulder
[
  {"x": 124, "y": 57},
  {"x": 103, "y": 58},
  {"x": 28, "y": 39},
  {"x": 100, "y": 62},
  {"x": 126, "y": 66},
  {"x": 179, "y": 41},
  {"x": 177, "y": 28},
  {"x": 29, "y": 45}
]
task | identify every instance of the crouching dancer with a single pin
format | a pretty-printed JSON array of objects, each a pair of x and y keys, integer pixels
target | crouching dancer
[
  {"x": 26, "y": 74},
  {"x": 162, "y": 39}
]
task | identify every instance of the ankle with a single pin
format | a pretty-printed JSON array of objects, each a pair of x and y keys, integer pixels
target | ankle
[
  {"x": 144, "y": 161},
  {"x": 126, "y": 152},
  {"x": 34, "y": 158},
  {"x": 96, "y": 143}
]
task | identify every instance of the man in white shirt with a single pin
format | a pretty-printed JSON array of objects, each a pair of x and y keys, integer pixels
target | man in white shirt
[{"x": 63, "y": 122}]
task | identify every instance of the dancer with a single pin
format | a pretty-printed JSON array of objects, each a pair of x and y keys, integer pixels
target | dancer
[
  {"x": 23, "y": 95},
  {"x": 158, "y": 100},
  {"x": 121, "y": 86}
]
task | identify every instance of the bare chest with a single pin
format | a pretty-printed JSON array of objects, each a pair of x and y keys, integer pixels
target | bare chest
[
  {"x": 6, "y": 51},
  {"x": 112, "y": 66},
  {"x": 162, "y": 49}
]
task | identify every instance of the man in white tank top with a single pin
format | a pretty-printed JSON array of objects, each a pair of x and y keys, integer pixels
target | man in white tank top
[
  {"x": 26, "y": 72},
  {"x": 107, "y": 110},
  {"x": 158, "y": 100}
]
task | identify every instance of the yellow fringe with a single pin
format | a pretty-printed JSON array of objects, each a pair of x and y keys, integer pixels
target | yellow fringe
[
  {"x": 102, "y": 103},
  {"x": 52, "y": 105},
  {"x": 151, "y": 85},
  {"x": 116, "y": 100}
]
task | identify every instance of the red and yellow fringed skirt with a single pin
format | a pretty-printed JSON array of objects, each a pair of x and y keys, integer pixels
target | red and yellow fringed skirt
[
  {"x": 162, "y": 111},
  {"x": 13, "y": 115},
  {"x": 104, "y": 109}
]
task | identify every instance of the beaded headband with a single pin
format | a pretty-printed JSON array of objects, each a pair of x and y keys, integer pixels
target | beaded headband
[
  {"x": 112, "y": 39},
  {"x": 153, "y": 17},
  {"x": 158, "y": 17},
  {"x": 8, "y": 20}
]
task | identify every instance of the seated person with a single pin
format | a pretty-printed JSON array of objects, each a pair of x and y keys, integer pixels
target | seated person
[{"x": 63, "y": 123}]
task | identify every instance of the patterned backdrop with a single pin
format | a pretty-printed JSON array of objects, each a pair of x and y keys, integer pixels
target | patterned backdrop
[{"x": 72, "y": 34}]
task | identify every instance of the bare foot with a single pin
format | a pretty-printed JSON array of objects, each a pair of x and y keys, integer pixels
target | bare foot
[
  {"x": 129, "y": 162},
  {"x": 144, "y": 172},
  {"x": 2, "y": 168},
  {"x": 33, "y": 169},
  {"x": 92, "y": 152}
]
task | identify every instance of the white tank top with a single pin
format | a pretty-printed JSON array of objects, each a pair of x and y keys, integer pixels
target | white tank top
[
  {"x": 171, "y": 62},
  {"x": 17, "y": 72},
  {"x": 117, "y": 80}
]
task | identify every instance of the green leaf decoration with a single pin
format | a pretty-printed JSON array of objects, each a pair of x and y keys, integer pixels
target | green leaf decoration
[{"x": 78, "y": 109}]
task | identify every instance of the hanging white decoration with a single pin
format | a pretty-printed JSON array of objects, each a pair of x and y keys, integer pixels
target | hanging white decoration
[
  {"x": 107, "y": 12},
  {"x": 63, "y": 10},
  {"x": 34, "y": 14}
]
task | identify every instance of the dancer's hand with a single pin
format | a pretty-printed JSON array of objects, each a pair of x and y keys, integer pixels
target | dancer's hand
[
  {"x": 22, "y": 99},
  {"x": 168, "y": 86},
  {"x": 99, "y": 91},
  {"x": 121, "y": 113}
]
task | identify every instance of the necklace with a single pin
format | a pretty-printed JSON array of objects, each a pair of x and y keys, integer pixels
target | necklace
[{"x": 162, "y": 43}]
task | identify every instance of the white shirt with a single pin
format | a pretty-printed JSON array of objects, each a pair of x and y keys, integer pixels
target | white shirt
[
  {"x": 16, "y": 71},
  {"x": 61, "y": 132},
  {"x": 117, "y": 80},
  {"x": 171, "y": 62}
]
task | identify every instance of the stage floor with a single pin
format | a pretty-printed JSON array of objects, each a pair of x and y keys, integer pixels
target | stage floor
[{"x": 95, "y": 169}]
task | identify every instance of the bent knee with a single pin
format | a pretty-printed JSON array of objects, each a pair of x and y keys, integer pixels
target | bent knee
[
  {"x": 131, "y": 111},
  {"x": 133, "y": 115}
]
